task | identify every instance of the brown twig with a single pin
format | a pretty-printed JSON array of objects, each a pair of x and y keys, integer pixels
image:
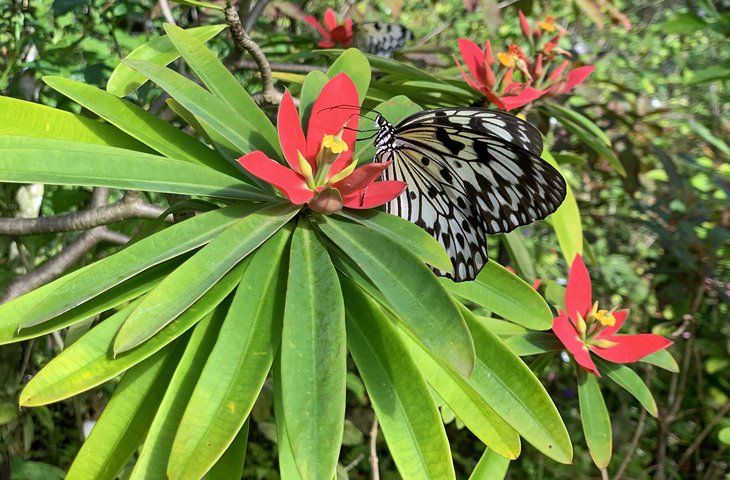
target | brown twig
[
  {"x": 705, "y": 431},
  {"x": 373, "y": 448},
  {"x": 130, "y": 207},
  {"x": 268, "y": 94},
  {"x": 279, "y": 67},
  {"x": 55, "y": 267},
  {"x": 632, "y": 446},
  {"x": 166, "y": 12}
]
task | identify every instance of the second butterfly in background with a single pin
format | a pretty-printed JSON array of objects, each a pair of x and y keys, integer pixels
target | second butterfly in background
[{"x": 380, "y": 38}]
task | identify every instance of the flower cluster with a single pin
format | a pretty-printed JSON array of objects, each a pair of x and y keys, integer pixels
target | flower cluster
[
  {"x": 497, "y": 78},
  {"x": 333, "y": 34},
  {"x": 583, "y": 328},
  {"x": 321, "y": 171}
]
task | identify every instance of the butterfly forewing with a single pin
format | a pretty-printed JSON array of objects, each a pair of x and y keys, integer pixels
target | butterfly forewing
[{"x": 469, "y": 172}]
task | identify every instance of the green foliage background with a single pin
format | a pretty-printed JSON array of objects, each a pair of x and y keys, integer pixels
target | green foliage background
[{"x": 657, "y": 239}]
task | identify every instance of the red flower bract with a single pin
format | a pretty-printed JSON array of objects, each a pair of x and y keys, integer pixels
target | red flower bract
[
  {"x": 585, "y": 328},
  {"x": 321, "y": 171},
  {"x": 332, "y": 33}
]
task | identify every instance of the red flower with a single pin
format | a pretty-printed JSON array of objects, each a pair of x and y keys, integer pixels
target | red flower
[
  {"x": 482, "y": 78},
  {"x": 322, "y": 173},
  {"x": 586, "y": 329},
  {"x": 332, "y": 33}
]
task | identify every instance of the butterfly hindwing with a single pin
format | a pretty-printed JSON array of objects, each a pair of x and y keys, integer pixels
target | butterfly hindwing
[{"x": 469, "y": 172}]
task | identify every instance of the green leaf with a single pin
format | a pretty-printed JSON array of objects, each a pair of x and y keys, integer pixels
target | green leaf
[
  {"x": 10, "y": 331},
  {"x": 145, "y": 127},
  {"x": 595, "y": 419},
  {"x": 404, "y": 232},
  {"x": 490, "y": 467},
  {"x": 230, "y": 465},
  {"x": 661, "y": 358},
  {"x": 197, "y": 275},
  {"x": 160, "y": 50},
  {"x": 287, "y": 466},
  {"x": 504, "y": 293},
  {"x": 123, "y": 425},
  {"x": 155, "y": 454},
  {"x": 566, "y": 220},
  {"x": 707, "y": 135},
  {"x": 724, "y": 435},
  {"x": 687, "y": 22},
  {"x": 313, "y": 357},
  {"x": 356, "y": 66},
  {"x": 314, "y": 82},
  {"x": 21, "y": 118},
  {"x": 220, "y": 81},
  {"x": 406, "y": 412},
  {"x": 533, "y": 343},
  {"x": 501, "y": 328},
  {"x": 631, "y": 382},
  {"x": 709, "y": 74},
  {"x": 88, "y": 362},
  {"x": 8, "y": 412},
  {"x": 57, "y": 162},
  {"x": 215, "y": 112},
  {"x": 238, "y": 365},
  {"x": 71, "y": 290},
  {"x": 411, "y": 290},
  {"x": 523, "y": 261},
  {"x": 504, "y": 382},
  {"x": 588, "y": 132}
]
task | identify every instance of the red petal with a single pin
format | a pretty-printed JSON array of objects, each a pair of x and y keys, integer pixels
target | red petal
[
  {"x": 374, "y": 195},
  {"x": 291, "y": 136},
  {"x": 558, "y": 72},
  {"x": 325, "y": 120},
  {"x": 528, "y": 95},
  {"x": 329, "y": 19},
  {"x": 326, "y": 44},
  {"x": 313, "y": 21},
  {"x": 473, "y": 57},
  {"x": 578, "y": 291},
  {"x": 361, "y": 177},
  {"x": 526, "y": 30},
  {"x": 492, "y": 97},
  {"x": 568, "y": 336},
  {"x": 472, "y": 83},
  {"x": 577, "y": 76},
  {"x": 286, "y": 180},
  {"x": 348, "y": 29},
  {"x": 631, "y": 348},
  {"x": 339, "y": 35},
  {"x": 620, "y": 316}
]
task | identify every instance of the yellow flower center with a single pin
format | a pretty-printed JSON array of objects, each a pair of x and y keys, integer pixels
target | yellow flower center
[
  {"x": 548, "y": 24},
  {"x": 605, "y": 318},
  {"x": 334, "y": 144}
]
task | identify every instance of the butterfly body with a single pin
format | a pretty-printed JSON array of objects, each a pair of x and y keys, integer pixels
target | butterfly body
[{"x": 470, "y": 172}]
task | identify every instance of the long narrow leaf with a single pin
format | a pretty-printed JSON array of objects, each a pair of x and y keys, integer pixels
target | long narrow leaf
[
  {"x": 220, "y": 81},
  {"x": 411, "y": 290},
  {"x": 125, "y": 420},
  {"x": 160, "y": 50},
  {"x": 630, "y": 381},
  {"x": 407, "y": 414},
  {"x": 155, "y": 454},
  {"x": 38, "y": 160},
  {"x": 504, "y": 293},
  {"x": 88, "y": 362},
  {"x": 231, "y": 464},
  {"x": 566, "y": 220},
  {"x": 595, "y": 419},
  {"x": 29, "y": 119},
  {"x": 193, "y": 278},
  {"x": 238, "y": 365},
  {"x": 76, "y": 288},
  {"x": 217, "y": 113},
  {"x": 313, "y": 357},
  {"x": 140, "y": 124}
]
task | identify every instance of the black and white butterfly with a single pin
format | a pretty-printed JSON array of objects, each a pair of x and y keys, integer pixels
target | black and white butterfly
[
  {"x": 380, "y": 38},
  {"x": 469, "y": 172}
]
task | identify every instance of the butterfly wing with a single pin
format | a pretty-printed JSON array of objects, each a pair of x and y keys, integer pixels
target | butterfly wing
[
  {"x": 380, "y": 38},
  {"x": 470, "y": 172}
]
